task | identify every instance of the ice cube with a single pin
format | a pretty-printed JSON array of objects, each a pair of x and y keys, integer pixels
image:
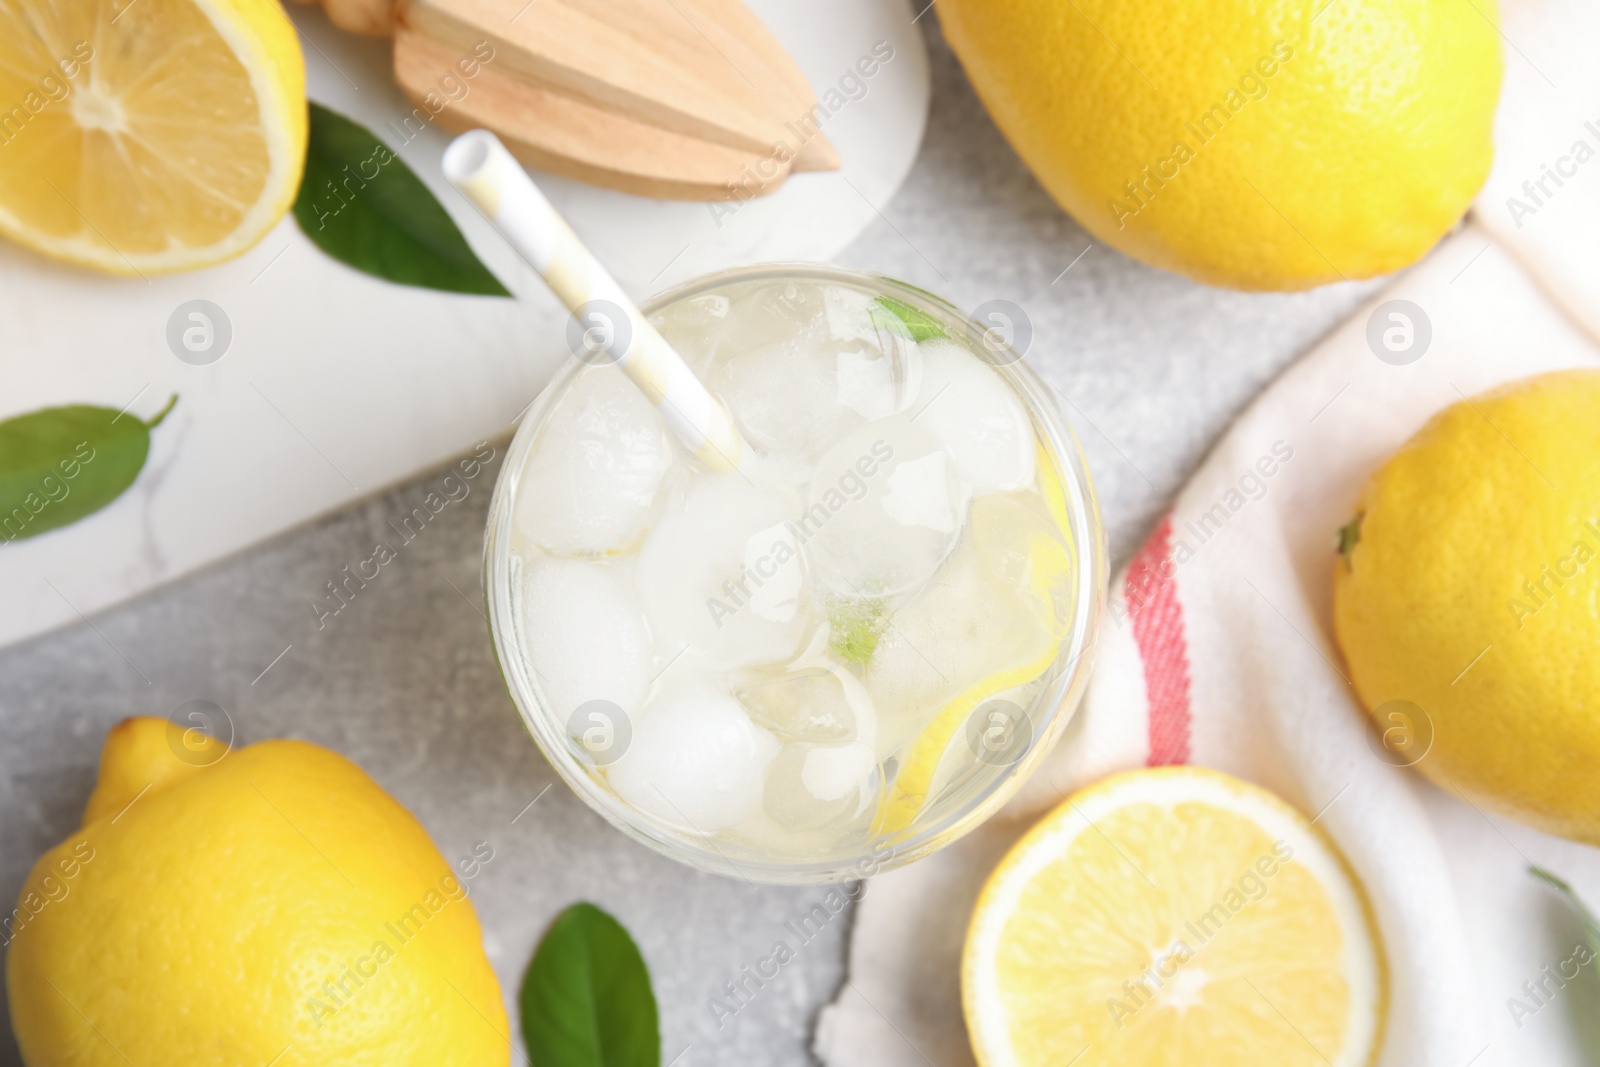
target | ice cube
[
  {"x": 885, "y": 510},
  {"x": 977, "y": 416},
  {"x": 696, "y": 760},
  {"x": 694, "y": 327},
  {"x": 721, "y": 576},
  {"x": 776, "y": 598},
  {"x": 585, "y": 635},
  {"x": 918, "y": 493},
  {"x": 590, "y": 484},
  {"x": 838, "y": 772},
  {"x": 804, "y": 363},
  {"x": 812, "y": 700},
  {"x": 764, "y": 310},
  {"x": 810, "y": 787},
  {"x": 1021, "y": 547},
  {"x": 853, "y": 316},
  {"x": 879, "y": 373},
  {"x": 807, "y": 705},
  {"x": 991, "y": 611}
]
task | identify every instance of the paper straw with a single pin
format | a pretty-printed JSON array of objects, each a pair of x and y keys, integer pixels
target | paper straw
[{"x": 479, "y": 165}]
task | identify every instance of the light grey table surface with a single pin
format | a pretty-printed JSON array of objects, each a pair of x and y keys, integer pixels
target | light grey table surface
[{"x": 1152, "y": 368}]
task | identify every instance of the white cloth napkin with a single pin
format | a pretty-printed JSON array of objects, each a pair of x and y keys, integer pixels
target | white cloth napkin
[{"x": 1225, "y": 657}]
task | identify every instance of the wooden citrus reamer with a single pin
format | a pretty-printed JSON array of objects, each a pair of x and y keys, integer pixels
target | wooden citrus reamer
[{"x": 681, "y": 99}]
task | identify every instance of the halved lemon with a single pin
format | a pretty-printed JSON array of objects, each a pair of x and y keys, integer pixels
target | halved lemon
[
  {"x": 144, "y": 136},
  {"x": 1173, "y": 916}
]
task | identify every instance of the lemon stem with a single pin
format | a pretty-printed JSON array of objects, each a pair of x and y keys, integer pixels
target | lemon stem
[{"x": 1350, "y": 535}]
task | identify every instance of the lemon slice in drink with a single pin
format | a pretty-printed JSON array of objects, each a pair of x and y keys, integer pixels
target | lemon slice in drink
[
  {"x": 1023, "y": 561},
  {"x": 144, "y": 136},
  {"x": 1173, "y": 916}
]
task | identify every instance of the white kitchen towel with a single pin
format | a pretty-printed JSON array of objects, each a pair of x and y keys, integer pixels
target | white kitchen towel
[{"x": 1218, "y": 648}]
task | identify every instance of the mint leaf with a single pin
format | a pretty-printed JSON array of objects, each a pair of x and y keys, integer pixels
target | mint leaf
[
  {"x": 362, "y": 205},
  {"x": 907, "y": 320},
  {"x": 586, "y": 999},
  {"x": 854, "y": 627},
  {"x": 58, "y": 465}
]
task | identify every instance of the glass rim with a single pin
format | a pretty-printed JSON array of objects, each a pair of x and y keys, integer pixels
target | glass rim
[{"x": 1049, "y": 713}]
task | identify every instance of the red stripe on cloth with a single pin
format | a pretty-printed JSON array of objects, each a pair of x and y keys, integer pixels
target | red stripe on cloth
[{"x": 1157, "y": 618}]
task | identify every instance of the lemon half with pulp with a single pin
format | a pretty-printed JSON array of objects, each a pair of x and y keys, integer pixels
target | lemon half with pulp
[
  {"x": 1173, "y": 916},
  {"x": 145, "y": 136}
]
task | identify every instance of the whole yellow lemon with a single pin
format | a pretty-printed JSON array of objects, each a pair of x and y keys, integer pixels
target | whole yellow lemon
[
  {"x": 1467, "y": 601},
  {"x": 1258, "y": 144},
  {"x": 264, "y": 905}
]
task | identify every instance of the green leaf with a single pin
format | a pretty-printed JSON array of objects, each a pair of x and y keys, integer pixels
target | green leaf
[
  {"x": 586, "y": 999},
  {"x": 1590, "y": 926},
  {"x": 854, "y": 627},
  {"x": 59, "y": 464},
  {"x": 1591, "y": 931},
  {"x": 362, "y": 205},
  {"x": 905, "y": 319}
]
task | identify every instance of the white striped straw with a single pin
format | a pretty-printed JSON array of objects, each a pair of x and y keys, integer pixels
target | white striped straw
[{"x": 479, "y": 165}]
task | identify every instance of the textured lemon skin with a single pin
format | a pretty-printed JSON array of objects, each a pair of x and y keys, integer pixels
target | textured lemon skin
[
  {"x": 191, "y": 924},
  {"x": 1360, "y": 150},
  {"x": 1493, "y": 493}
]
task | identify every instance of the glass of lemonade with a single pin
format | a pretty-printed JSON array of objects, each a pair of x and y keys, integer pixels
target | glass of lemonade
[{"x": 838, "y": 657}]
